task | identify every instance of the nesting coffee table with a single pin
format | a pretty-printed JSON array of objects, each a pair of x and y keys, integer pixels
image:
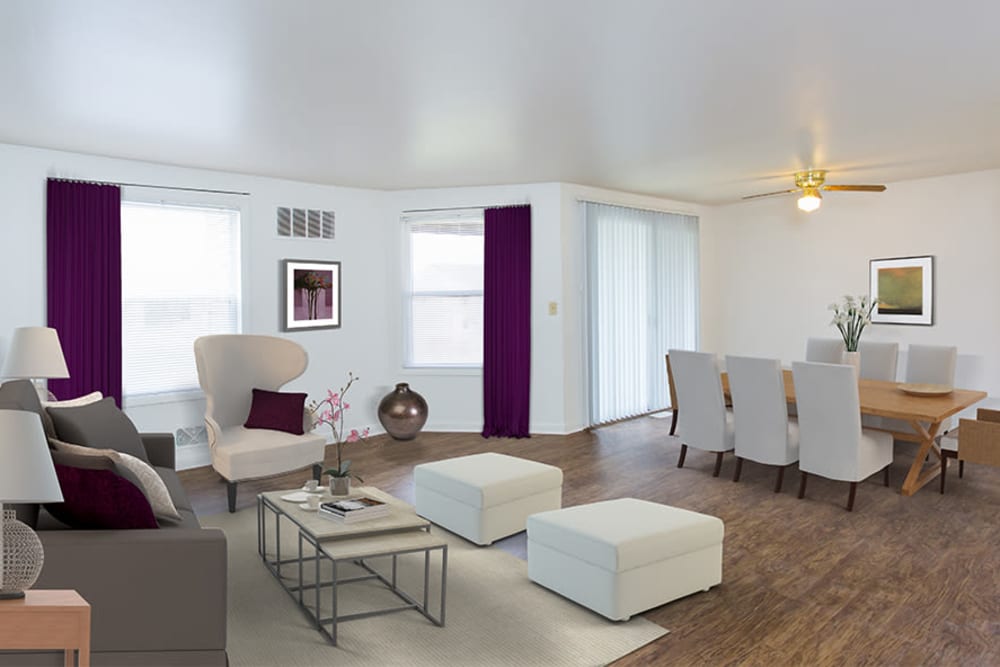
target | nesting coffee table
[{"x": 322, "y": 541}]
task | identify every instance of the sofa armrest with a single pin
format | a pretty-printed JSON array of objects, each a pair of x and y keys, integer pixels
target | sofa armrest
[
  {"x": 160, "y": 449},
  {"x": 150, "y": 590}
]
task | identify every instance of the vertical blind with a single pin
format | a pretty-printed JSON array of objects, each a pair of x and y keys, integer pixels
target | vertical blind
[
  {"x": 444, "y": 299},
  {"x": 180, "y": 280},
  {"x": 642, "y": 283}
]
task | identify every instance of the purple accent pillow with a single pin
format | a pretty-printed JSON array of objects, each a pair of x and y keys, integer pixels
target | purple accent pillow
[
  {"x": 278, "y": 411},
  {"x": 100, "y": 500}
]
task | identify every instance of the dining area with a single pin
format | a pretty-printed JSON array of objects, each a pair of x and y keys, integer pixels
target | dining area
[{"x": 838, "y": 414}]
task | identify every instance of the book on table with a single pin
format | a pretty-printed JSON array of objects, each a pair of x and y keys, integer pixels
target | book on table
[{"x": 356, "y": 508}]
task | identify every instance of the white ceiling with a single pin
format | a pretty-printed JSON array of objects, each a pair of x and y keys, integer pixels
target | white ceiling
[{"x": 695, "y": 100}]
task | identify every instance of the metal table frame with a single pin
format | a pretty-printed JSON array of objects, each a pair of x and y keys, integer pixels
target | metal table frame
[{"x": 314, "y": 612}]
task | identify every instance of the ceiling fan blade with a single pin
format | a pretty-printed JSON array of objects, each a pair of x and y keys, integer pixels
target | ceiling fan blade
[
  {"x": 855, "y": 188},
  {"x": 771, "y": 194}
]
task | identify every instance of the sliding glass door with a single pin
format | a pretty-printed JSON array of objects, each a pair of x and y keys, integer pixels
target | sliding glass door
[{"x": 642, "y": 283}]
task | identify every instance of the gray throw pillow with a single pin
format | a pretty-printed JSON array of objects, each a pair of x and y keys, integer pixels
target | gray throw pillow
[
  {"x": 100, "y": 425},
  {"x": 23, "y": 394}
]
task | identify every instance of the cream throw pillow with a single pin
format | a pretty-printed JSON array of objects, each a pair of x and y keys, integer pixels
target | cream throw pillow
[
  {"x": 151, "y": 485},
  {"x": 86, "y": 399}
]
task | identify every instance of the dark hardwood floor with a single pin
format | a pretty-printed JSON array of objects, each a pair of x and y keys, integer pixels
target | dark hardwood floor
[{"x": 900, "y": 581}]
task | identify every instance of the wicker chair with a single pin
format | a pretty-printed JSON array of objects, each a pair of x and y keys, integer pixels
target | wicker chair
[{"x": 977, "y": 440}]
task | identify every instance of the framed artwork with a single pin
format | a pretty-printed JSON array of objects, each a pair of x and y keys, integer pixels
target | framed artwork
[
  {"x": 311, "y": 291},
  {"x": 904, "y": 288}
]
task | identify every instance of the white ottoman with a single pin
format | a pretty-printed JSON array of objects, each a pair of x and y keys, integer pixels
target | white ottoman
[
  {"x": 622, "y": 557},
  {"x": 484, "y": 497}
]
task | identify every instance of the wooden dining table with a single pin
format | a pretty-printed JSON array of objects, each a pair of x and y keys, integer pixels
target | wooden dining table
[{"x": 925, "y": 414}]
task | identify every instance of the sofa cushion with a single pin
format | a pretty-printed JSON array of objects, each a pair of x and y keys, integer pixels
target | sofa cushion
[
  {"x": 246, "y": 453},
  {"x": 140, "y": 473},
  {"x": 277, "y": 410},
  {"x": 188, "y": 520},
  {"x": 21, "y": 395},
  {"x": 100, "y": 500},
  {"x": 101, "y": 425},
  {"x": 177, "y": 493}
]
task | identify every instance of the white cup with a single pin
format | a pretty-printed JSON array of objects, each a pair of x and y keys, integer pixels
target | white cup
[
  {"x": 311, "y": 486},
  {"x": 313, "y": 502}
]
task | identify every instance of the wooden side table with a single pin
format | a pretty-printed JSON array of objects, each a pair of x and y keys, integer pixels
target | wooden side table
[{"x": 47, "y": 620}]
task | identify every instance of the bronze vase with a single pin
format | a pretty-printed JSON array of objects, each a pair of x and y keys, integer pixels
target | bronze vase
[{"x": 402, "y": 412}]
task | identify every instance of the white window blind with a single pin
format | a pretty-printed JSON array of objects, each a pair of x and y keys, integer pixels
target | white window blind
[
  {"x": 180, "y": 280},
  {"x": 444, "y": 301},
  {"x": 642, "y": 269}
]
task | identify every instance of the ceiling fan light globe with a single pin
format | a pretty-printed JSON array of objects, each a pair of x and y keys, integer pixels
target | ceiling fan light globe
[{"x": 809, "y": 202}]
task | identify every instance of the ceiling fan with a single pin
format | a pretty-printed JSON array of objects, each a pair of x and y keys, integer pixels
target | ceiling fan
[{"x": 810, "y": 183}]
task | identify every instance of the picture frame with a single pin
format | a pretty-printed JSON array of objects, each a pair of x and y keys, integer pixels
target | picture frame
[
  {"x": 311, "y": 295},
  {"x": 904, "y": 289}
]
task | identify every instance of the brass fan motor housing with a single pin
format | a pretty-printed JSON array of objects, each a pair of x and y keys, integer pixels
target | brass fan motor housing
[{"x": 810, "y": 179}]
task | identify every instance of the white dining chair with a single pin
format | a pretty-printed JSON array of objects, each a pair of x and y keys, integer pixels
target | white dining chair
[
  {"x": 878, "y": 360},
  {"x": 832, "y": 443},
  {"x": 825, "y": 350},
  {"x": 703, "y": 420},
  {"x": 927, "y": 364},
  {"x": 763, "y": 431}
]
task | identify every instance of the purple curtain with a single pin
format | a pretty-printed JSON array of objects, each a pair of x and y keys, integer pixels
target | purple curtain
[
  {"x": 507, "y": 322},
  {"x": 84, "y": 269}
]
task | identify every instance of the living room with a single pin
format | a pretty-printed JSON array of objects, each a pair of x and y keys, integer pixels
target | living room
[{"x": 766, "y": 270}]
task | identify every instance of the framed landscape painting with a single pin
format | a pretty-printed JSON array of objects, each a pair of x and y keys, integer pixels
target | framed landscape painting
[
  {"x": 311, "y": 291},
  {"x": 904, "y": 288}
]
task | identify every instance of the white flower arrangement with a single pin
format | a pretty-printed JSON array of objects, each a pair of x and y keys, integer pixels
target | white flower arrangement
[{"x": 851, "y": 317}]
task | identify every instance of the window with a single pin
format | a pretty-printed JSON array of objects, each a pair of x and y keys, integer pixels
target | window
[
  {"x": 180, "y": 280},
  {"x": 643, "y": 300},
  {"x": 444, "y": 299}
]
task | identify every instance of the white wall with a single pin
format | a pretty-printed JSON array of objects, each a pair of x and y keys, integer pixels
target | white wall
[
  {"x": 368, "y": 244},
  {"x": 558, "y": 359},
  {"x": 454, "y": 397},
  {"x": 358, "y": 345},
  {"x": 777, "y": 268},
  {"x": 575, "y": 283}
]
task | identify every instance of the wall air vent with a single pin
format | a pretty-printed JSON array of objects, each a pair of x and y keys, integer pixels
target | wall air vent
[{"x": 305, "y": 223}]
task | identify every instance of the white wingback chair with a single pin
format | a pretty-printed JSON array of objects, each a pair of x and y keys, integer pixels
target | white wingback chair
[
  {"x": 230, "y": 367},
  {"x": 825, "y": 350},
  {"x": 832, "y": 443},
  {"x": 764, "y": 433},
  {"x": 703, "y": 420},
  {"x": 927, "y": 364}
]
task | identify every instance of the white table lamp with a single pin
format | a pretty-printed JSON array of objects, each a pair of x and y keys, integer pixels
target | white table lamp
[
  {"x": 35, "y": 353},
  {"x": 27, "y": 475}
]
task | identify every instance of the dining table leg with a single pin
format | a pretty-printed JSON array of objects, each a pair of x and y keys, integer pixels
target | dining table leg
[{"x": 917, "y": 476}]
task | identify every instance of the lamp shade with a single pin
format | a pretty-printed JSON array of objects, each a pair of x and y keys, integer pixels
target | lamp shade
[
  {"x": 26, "y": 474},
  {"x": 35, "y": 352}
]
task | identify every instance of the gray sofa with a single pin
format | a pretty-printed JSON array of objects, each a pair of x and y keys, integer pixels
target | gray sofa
[{"x": 158, "y": 597}]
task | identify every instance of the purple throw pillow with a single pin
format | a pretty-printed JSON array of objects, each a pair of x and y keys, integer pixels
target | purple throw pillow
[
  {"x": 100, "y": 500},
  {"x": 278, "y": 411}
]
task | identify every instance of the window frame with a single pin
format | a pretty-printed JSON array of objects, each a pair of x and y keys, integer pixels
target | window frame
[
  {"x": 407, "y": 220},
  {"x": 193, "y": 199}
]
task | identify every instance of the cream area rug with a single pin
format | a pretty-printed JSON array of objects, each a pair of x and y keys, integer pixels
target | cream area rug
[{"x": 494, "y": 614}]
